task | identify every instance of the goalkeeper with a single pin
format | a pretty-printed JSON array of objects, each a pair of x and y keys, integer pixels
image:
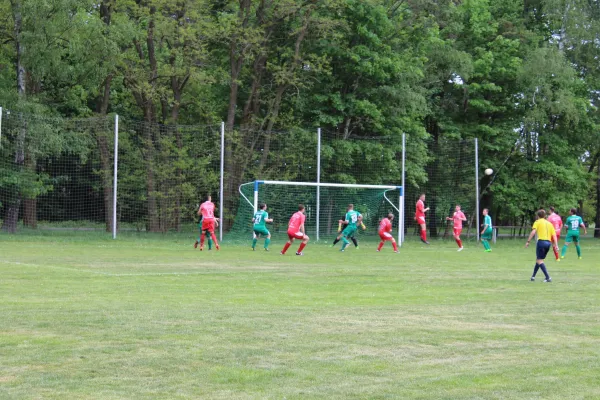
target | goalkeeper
[{"x": 351, "y": 220}]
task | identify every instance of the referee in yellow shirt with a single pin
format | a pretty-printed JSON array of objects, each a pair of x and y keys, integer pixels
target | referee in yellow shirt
[{"x": 546, "y": 236}]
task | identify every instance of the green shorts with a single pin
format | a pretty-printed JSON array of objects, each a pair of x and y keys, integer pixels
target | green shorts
[
  {"x": 349, "y": 231},
  {"x": 487, "y": 235},
  {"x": 572, "y": 237},
  {"x": 262, "y": 231}
]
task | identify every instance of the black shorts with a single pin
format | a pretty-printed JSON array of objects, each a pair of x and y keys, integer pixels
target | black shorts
[{"x": 542, "y": 248}]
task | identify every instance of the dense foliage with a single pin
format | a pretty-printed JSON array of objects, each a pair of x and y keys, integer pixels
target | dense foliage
[{"x": 522, "y": 76}]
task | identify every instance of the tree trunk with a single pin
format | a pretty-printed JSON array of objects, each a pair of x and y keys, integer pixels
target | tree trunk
[
  {"x": 30, "y": 213},
  {"x": 153, "y": 224},
  {"x": 102, "y": 141},
  {"x": 103, "y": 148},
  {"x": 30, "y": 205},
  {"x": 12, "y": 211}
]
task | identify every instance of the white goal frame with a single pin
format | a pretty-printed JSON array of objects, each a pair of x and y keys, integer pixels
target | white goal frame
[{"x": 385, "y": 188}]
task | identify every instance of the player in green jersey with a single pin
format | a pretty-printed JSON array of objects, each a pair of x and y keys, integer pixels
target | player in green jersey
[
  {"x": 572, "y": 224},
  {"x": 210, "y": 242},
  {"x": 352, "y": 220},
  {"x": 260, "y": 229},
  {"x": 486, "y": 232}
]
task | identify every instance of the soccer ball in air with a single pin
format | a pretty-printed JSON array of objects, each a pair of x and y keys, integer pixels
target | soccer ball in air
[{"x": 489, "y": 171}]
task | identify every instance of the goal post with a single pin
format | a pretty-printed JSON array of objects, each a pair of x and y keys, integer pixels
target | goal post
[{"x": 325, "y": 203}]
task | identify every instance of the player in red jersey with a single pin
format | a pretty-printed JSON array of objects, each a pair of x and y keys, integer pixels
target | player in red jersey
[
  {"x": 207, "y": 210},
  {"x": 458, "y": 219},
  {"x": 385, "y": 229},
  {"x": 420, "y": 217},
  {"x": 296, "y": 231},
  {"x": 557, "y": 223}
]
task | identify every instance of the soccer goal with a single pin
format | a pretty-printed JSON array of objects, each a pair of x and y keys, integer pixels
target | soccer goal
[{"x": 325, "y": 204}]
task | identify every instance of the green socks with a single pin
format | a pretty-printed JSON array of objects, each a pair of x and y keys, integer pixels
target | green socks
[
  {"x": 486, "y": 245},
  {"x": 346, "y": 243},
  {"x": 564, "y": 250},
  {"x": 267, "y": 242}
]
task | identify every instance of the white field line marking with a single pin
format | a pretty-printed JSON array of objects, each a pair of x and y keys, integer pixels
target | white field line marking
[{"x": 101, "y": 272}]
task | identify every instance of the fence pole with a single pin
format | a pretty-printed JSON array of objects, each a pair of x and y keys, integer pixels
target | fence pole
[
  {"x": 221, "y": 201},
  {"x": 318, "y": 219},
  {"x": 0, "y": 127},
  {"x": 401, "y": 214},
  {"x": 477, "y": 187},
  {"x": 116, "y": 165}
]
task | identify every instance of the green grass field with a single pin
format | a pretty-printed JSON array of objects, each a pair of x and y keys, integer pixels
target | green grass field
[{"x": 85, "y": 317}]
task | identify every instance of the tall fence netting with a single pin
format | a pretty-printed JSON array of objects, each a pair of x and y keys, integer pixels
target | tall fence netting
[
  {"x": 449, "y": 181},
  {"x": 57, "y": 174}
]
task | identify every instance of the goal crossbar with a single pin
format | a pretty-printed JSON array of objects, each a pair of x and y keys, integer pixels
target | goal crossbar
[{"x": 385, "y": 188}]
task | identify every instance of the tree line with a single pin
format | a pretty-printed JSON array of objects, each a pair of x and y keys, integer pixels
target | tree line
[{"x": 522, "y": 76}]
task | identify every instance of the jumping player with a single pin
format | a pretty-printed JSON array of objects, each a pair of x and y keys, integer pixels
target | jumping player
[
  {"x": 557, "y": 223},
  {"x": 296, "y": 231},
  {"x": 546, "y": 236},
  {"x": 420, "y": 217},
  {"x": 385, "y": 227},
  {"x": 572, "y": 224},
  {"x": 458, "y": 219},
  {"x": 207, "y": 210},
  {"x": 260, "y": 218},
  {"x": 487, "y": 231},
  {"x": 352, "y": 219}
]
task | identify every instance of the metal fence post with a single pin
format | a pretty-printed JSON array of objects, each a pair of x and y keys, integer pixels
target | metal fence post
[
  {"x": 477, "y": 187},
  {"x": 116, "y": 165},
  {"x": 402, "y": 217},
  {"x": 318, "y": 220},
  {"x": 221, "y": 201}
]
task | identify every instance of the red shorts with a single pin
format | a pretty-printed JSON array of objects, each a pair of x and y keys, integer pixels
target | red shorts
[
  {"x": 420, "y": 219},
  {"x": 385, "y": 236},
  {"x": 208, "y": 225},
  {"x": 457, "y": 231},
  {"x": 295, "y": 235}
]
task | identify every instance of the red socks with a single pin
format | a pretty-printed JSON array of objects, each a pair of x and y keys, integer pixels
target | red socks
[
  {"x": 302, "y": 246},
  {"x": 382, "y": 243},
  {"x": 214, "y": 238},
  {"x": 459, "y": 242},
  {"x": 424, "y": 234},
  {"x": 555, "y": 249},
  {"x": 202, "y": 236},
  {"x": 287, "y": 246}
]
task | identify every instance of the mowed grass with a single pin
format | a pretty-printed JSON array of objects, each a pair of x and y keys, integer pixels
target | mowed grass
[{"x": 85, "y": 317}]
